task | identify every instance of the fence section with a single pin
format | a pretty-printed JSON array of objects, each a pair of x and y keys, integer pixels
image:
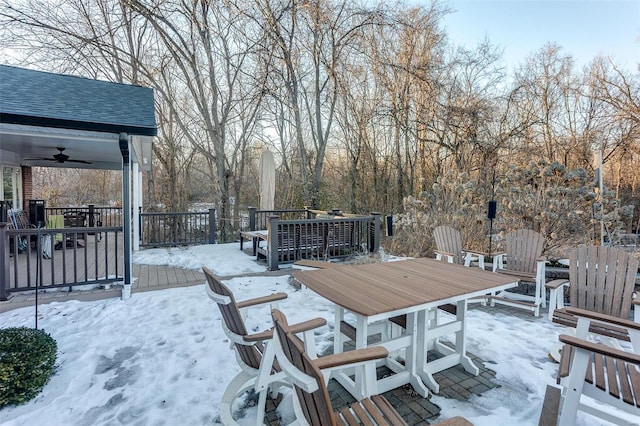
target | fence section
[
  {"x": 319, "y": 238},
  {"x": 175, "y": 229},
  {"x": 95, "y": 215},
  {"x": 259, "y": 219},
  {"x": 65, "y": 257}
]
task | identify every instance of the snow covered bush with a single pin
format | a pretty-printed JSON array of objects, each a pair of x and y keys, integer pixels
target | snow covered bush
[{"x": 560, "y": 203}]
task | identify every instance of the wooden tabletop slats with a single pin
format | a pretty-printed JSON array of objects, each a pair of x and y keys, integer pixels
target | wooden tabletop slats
[{"x": 371, "y": 289}]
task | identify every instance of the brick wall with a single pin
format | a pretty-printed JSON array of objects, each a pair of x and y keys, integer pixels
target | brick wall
[{"x": 27, "y": 187}]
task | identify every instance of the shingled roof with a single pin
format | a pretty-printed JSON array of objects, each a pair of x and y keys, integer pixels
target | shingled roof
[{"x": 29, "y": 97}]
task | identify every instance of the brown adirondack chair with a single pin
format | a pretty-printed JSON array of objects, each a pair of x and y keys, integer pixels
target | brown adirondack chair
[
  {"x": 253, "y": 353},
  {"x": 588, "y": 368},
  {"x": 449, "y": 247},
  {"x": 312, "y": 403},
  {"x": 524, "y": 262}
]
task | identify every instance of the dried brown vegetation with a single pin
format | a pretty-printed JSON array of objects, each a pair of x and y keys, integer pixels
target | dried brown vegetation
[{"x": 367, "y": 107}]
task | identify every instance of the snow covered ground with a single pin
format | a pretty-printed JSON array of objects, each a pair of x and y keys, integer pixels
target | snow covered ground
[{"x": 161, "y": 358}]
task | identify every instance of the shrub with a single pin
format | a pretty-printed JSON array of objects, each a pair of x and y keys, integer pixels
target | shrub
[{"x": 27, "y": 360}]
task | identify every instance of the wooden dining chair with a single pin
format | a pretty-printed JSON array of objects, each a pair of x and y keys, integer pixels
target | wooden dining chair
[
  {"x": 330, "y": 363},
  {"x": 312, "y": 404},
  {"x": 524, "y": 261},
  {"x": 254, "y": 354},
  {"x": 593, "y": 371}
]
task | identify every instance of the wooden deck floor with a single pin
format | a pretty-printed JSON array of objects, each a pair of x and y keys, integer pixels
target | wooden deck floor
[{"x": 95, "y": 261}]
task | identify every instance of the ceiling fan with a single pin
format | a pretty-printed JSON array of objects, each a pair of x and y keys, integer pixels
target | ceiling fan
[{"x": 60, "y": 157}]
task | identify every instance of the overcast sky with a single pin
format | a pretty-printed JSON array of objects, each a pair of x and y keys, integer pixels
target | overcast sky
[{"x": 583, "y": 28}]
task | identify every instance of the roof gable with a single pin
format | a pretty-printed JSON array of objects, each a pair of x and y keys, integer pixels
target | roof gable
[{"x": 53, "y": 100}]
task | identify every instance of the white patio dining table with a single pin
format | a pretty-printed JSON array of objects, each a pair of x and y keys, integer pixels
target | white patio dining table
[{"x": 377, "y": 292}]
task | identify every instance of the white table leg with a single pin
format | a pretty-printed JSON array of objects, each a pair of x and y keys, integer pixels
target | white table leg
[
  {"x": 338, "y": 341},
  {"x": 461, "y": 342},
  {"x": 365, "y": 375},
  {"x": 417, "y": 352}
]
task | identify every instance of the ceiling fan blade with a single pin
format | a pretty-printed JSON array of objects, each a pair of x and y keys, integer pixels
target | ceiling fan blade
[{"x": 60, "y": 157}]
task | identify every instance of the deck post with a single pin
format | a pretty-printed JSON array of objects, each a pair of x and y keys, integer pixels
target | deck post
[
  {"x": 212, "y": 226},
  {"x": 375, "y": 236},
  {"x": 136, "y": 183},
  {"x": 272, "y": 243},
  {"x": 252, "y": 218},
  {"x": 4, "y": 261},
  {"x": 126, "y": 211},
  {"x": 91, "y": 218}
]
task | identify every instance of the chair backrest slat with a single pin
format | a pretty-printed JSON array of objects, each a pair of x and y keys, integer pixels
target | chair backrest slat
[
  {"x": 602, "y": 280},
  {"x": 316, "y": 406},
  {"x": 448, "y": 240},
  {"x": 249, "y": 354},
  {"x": 523, "y": 248}
]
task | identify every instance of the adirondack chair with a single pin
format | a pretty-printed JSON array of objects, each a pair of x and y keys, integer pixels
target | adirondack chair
[
  {"x": 594, "y": 377},
  {"x": 449, "y": 246},
  {"x": 524, "y": 262},
  {"x": 312, "y": 404},
  {"x": 601, "y": 279},
  {"x": 254, "y": 355}
]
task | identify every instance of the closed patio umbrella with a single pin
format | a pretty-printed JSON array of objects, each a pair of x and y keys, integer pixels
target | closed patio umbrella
[{"x": 267, "y": 180}]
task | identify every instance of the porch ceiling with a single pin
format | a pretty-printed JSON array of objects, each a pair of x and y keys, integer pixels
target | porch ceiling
[{"x": 29, "y": 145}]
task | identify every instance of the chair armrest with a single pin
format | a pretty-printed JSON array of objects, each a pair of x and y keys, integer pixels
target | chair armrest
[
  {"x": 264, "y": 300},
  {"x": 443, "y": 253},
  {"x": 552, "y": 285},
  {"x": 520, "y": 274},
  {"x": 259, "y": 337},
  {"x": 478, "y": 252},
  {"x": 603, "y": 317},
  {"x": 562, "y": 317},
  {"x": 295, "y": 328},
  {"x": 351, "y": 357},
  {"x": 307, "y": 325},
  {"x": 541, "y": 259},
  {"x": 600, "y": 349}
]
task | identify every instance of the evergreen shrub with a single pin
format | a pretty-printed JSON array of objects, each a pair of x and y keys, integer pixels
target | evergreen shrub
[{"x": 27, "y": 361}]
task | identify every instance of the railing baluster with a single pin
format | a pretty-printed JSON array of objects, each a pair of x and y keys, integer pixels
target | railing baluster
[
  {"x": 172, "y": 229},
  {"x": 106, "y": 254},
  {"x": 74, "y": 263}
]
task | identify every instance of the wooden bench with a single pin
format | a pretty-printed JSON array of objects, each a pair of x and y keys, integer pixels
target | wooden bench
[{"x": 250, "y": 236}]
